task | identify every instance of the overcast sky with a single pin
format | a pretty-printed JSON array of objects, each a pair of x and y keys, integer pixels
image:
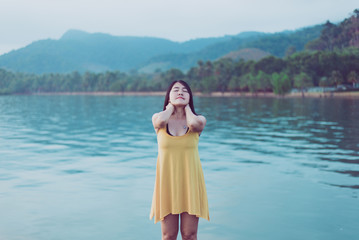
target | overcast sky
[{"x": 25, "y": 21}]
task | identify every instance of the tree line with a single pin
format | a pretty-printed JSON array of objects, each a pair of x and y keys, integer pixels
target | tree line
[
  {"x": 270, "y": 74},
  {"x": 330, "y": 60}
]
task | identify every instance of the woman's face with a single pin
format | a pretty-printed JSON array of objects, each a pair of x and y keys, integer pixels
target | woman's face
[{"x": 179, "y": 95}]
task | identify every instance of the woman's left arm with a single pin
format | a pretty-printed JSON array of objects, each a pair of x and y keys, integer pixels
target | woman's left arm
[{"x": 194, "y": 122}]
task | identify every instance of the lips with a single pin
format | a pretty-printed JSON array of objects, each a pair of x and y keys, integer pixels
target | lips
[{"x": 180, "y": 98}]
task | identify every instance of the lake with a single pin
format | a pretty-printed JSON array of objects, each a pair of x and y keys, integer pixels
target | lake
[{"x": 83, "y": 167}]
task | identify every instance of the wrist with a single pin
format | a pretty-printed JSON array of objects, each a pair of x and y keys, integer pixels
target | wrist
[{"x": 170, "y": 107}]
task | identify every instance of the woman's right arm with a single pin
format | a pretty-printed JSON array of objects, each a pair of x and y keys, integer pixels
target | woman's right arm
[{"x": 159, "y": 120}]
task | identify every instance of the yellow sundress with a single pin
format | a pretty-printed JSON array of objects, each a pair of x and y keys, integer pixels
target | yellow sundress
[{"x": 179, "y": 185}]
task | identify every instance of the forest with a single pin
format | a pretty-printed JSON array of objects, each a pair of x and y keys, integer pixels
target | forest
[{"x": 330, "y": 60}]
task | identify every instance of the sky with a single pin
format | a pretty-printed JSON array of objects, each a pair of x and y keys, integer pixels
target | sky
[{"x": 25, "y": 21}]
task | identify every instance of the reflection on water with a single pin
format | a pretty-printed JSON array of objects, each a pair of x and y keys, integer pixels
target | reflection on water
[{"x": 82, "y": 167}]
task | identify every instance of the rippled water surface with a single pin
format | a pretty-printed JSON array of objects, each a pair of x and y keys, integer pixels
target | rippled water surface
[{"x": 83, "y": 167}]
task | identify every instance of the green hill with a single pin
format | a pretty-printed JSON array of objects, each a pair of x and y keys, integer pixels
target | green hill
[
  {"x": 337, "y": 37},
  {"x": 98, "y": 52},
  {"x": 81, "y": 51},
  {"x": 276, "y": 44},
  {"x": 246, "y": 54}
]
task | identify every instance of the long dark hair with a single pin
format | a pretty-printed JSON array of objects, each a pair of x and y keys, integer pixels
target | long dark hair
[{"x": 188, "y": 89}]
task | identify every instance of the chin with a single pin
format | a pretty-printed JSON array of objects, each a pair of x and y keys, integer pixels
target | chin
[{"x": 179, "y": 104}]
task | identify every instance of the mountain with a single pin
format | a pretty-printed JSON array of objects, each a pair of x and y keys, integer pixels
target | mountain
[
  {"x": 246, "y": 54},
  {"x": 338, "y": 36},
  {"x": 276, "y": 44},
  {"x": 81, "y": 51}
]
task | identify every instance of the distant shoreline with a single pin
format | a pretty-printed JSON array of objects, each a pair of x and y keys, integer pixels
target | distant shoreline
[
  {"x": 354, "y": 94},
  {"x": 214, "y": 94}
]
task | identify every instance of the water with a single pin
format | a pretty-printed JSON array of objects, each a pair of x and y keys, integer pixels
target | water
[{"x": 83, "y": 167}]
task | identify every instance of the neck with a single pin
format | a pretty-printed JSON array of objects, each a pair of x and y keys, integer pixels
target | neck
[{"x": 179, "y": 112}]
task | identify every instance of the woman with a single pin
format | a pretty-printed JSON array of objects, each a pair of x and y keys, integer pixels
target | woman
[{"x": 179, "y": 187}]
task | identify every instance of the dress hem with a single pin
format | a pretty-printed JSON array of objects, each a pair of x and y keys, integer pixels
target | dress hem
[{"x": 190, "y": 213}]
